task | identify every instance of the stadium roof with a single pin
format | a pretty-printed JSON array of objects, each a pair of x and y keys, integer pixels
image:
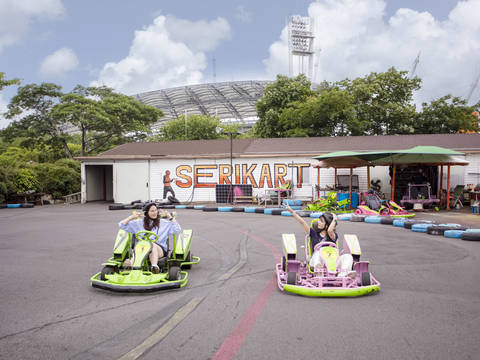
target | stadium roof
[{"x": 230, "y": 101}]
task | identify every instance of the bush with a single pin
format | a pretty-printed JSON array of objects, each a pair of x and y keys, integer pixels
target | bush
[{"x": 58, "y": 179}]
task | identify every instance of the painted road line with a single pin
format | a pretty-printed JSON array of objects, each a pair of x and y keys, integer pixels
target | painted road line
[{"x": 158, "y": 335}]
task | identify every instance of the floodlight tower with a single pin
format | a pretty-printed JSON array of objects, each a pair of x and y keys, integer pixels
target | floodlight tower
[
  {"x": 473, "y": 87},
  {"x": 414, "y": 66},
  {"x": 300, "y": 45}
]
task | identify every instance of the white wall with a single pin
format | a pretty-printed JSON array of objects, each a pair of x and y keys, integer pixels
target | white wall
[
  {"x": 130, "y": 181},
  {"x": 472, "y": 170}
]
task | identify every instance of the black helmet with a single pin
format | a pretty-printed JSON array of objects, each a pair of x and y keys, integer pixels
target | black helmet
[{"x": 147, "y": 207}]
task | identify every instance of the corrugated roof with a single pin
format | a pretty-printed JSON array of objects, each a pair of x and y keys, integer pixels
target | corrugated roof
[{"x": 287, "y": 146}]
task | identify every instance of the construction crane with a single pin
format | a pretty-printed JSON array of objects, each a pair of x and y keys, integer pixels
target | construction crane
[
  {"x": 474, "y": 86},
  {"x": 414, "y": 66}
]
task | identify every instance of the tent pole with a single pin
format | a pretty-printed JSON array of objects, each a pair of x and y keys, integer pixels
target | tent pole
[
  {"x": 318, "y": 182},
  {"x": 393, "y": 182},
  {"x": 368, "y": 177},
  {"x": 351, "y": 176},
  {"x": 441, "y": 183},
  {"x": 448, "y": 187}
]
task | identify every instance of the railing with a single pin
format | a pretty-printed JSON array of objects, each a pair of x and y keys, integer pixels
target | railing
[{"x": 73, "y": 198}]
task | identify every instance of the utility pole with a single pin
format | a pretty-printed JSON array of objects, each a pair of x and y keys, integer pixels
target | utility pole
[{"x": 414, "y": 66}]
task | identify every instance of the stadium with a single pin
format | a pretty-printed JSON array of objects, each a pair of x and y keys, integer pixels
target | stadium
[{"x": 232, "y": 102}]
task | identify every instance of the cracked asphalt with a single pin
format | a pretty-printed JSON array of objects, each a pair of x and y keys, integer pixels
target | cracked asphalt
[{"x": 428, "y": 306}]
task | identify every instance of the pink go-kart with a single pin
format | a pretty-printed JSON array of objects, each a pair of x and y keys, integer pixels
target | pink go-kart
[{"x": 330, "y": 280}]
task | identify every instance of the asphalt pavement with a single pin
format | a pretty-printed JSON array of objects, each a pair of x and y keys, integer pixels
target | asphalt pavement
[{"x": 428, "y": 306}]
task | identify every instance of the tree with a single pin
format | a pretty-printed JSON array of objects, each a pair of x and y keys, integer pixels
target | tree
[
  {"x": 283, "y": 93},
  {"x": 446, "y": 115},
  {"x": 33, "y": 104},
  {"x": 198, "y": 127},
  {"x": 104, "y": 117},
  {"x": 383, "y": 101},
  {"x": 5, "y": 83}
]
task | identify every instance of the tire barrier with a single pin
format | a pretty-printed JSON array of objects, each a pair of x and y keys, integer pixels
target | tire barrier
[
  {"x": 408, "y": 223},
  {"x": 129, "y": 207},
  {"x": 180, "y": 206},
  {"x": 116, "y": 207},
  {"x": 471, "y": 235},
  {"x": 168, "y": 206},
  {"x": 473, "y": 230},
  {"x": 277, "y": 212},
  {"x": 3, "y": 206},
  {"x": 135, "y": 202},
  {"x": 441, "y": 228},
  {"x": 205, "y": 208},
  {"x": 198, "y": 207},
  {"x": 357, "y": 218},
  {"x": 224, "y": 208},
  {"x": 190, "y": 207},
  {"x": 398, "y": 222},
  {"x": 373, "y": 219},
  {"x": 316, "y": 215},
  {"x": 173, "y": 199},
  {"x": 139, "y": 206},
  {"x": 453, "y": 234},
  {"x": 250, "y": 209},
  {"x": 259, "y": 210},
  {"x": 286, "y": 213},
  {"x": 344, "y": 217},
  {"x": 387, "y": 221},
  {"x": 422, "y": 227},
  {"x": 238, "y": 209},
  {"x": 27, "y": 205},
  {"x": 303, "y": 213}
]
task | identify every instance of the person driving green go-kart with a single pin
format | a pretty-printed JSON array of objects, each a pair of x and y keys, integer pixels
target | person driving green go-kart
[{"x": 151, "y": 266}]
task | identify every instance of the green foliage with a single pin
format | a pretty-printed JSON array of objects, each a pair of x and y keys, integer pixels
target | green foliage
[
  {"x": 58, "y": 179},
  {"x": 25, "y": 180},
  {"x": 7, "y": 182},
  {"x": 282, "y": 94},
  {"x": 5, "y": 83},
  {"x": 446, "y": 115},
  {"x": 199, "y": 127}
]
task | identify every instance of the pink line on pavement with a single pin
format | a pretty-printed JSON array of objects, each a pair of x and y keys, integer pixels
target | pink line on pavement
[{"x": 232, "y": 343}]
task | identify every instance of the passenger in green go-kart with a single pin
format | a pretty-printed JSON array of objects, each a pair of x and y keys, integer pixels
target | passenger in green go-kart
[
  {"x": 151, "y": 221},
  {"x": 323, "y": 230}
]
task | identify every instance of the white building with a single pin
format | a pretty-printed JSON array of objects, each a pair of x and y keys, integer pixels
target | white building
[{"x": 134, "y": 171}]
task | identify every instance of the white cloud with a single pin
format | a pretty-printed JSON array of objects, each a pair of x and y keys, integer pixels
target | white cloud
[
  {"x": 16, "y": 15},
  {"x": 242, "y": 14},
  {"x": 3, "y": 108},
  {"x": 56, "y": 65},
  {"x": 170, "y": 52},
  {"x": 354, "y": 38}
]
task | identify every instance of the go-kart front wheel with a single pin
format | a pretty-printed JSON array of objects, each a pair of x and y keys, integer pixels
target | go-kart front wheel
[
  {"x": 174, "y": 273},
  {"x": 107, "y": 270},
  {"x": 366, "y": 280},
  {"x": 291, "y": 278}
]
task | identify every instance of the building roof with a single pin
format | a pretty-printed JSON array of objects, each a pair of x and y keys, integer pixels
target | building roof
[{"x": 276, "y": 147}]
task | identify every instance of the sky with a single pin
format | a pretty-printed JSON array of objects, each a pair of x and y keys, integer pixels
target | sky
[{"x": 139, "y": 46}]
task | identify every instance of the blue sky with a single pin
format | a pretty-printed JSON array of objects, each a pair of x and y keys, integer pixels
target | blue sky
[{"x": 136, "y": 46}]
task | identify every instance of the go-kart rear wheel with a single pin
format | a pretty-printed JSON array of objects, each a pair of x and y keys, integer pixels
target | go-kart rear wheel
[
  {"x": 291, "y": 278},
  {"x": 174, "y": 273},
  {"x": 188, "y": 258},
  {"x": 284, "y": 263},
  {"x": 366, "y": 280},
  {"x": 107, "y": 270}
]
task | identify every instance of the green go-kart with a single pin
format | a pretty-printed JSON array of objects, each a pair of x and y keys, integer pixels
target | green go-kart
[{"x": 137, "y": 277}]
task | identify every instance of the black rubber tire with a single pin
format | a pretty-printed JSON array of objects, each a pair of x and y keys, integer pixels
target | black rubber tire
[
  {"x": 303, "y": 213},
  {"x": 174, "y": 273},
  {"x": 188, "y": 258},
  {"x": 173, "y": 199},
  {"x": 129, "y": 207},
  {"x": 357, "y": 218},
  {"x": 471, "y": 236},
  {"x": 277, "y": 212},
  {"x": 387, "y": 221},
  {"x": 190, "y": 207},
  {"x": 168, "y": 206},
  {"x": 210, "y": 208},
  {"x": 27, "y": 205},
  {"x": 284, "y": 263},
  {"x": 3, "y": 206},
  {"x": 259, "y": 210},
  {"x": 139, "y": 206},
  {"x": 107, "y": 270},
  {"x": 238, "y": 209},
  {"x": 366, "y": 280},
  {"x": 135, "y": 202},
  {"x": 408, "y": 223},
  {"x": 116, "y": 207},
  {"x": 439, "y": 230},
  {"x": 291, "y": 278}
]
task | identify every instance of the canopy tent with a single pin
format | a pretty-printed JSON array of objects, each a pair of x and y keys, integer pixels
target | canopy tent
[{"x": 425, "y": 155}]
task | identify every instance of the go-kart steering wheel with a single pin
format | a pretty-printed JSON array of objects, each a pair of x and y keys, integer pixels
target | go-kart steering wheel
[
  {"x": 145, "y": 235},
  {"x": 324, "y": 243}
]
